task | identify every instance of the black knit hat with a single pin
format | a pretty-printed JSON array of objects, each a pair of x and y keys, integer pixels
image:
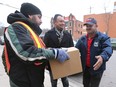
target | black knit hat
[{"x": 29, "y": 9}]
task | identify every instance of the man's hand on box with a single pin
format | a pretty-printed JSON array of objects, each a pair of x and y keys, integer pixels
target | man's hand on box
[{"x": 61, "y": 55}]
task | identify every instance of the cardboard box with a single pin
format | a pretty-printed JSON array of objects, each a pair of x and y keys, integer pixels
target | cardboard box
[{"x": 69, "y": 67}]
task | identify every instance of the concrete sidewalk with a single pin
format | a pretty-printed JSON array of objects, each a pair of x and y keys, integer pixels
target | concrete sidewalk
[
  {"x": 4, "y": 81},
  {"x": 72, "y": 82}
]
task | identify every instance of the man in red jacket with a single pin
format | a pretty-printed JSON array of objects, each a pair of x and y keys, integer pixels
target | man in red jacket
[{"x": 95, "y": 49}]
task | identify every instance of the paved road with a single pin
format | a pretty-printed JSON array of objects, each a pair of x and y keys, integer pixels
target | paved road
[{"x": 108, "y": 80}]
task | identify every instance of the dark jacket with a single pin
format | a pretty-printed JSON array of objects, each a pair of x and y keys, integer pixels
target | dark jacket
[
  {"x": 23, "y": 54},
  {"x": 100, "y": 46},
  {"x": 51, "y": 39}
]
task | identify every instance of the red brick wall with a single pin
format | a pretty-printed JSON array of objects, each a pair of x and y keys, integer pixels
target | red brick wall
[{"x": 105, "y": 21}]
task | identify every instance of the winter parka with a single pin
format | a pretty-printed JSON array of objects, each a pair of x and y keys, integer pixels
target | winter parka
[
  {"x": 27, "y": 62},
  {"x": 101, "y": 45}
]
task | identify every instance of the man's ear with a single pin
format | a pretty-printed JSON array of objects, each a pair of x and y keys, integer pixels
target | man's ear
[{"x": 30, "y": 16}]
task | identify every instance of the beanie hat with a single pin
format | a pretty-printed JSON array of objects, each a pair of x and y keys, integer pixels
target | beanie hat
[{"x": 29, "y": 9}]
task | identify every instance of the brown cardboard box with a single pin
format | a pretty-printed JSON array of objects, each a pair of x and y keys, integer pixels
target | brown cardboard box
[{"x": 69, "y": 67}]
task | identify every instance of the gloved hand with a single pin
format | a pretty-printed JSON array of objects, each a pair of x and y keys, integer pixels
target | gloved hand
[{"x": 61, "y": 55}]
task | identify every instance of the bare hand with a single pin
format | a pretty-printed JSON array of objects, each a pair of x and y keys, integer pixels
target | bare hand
[{"x": 98, "y": 63}]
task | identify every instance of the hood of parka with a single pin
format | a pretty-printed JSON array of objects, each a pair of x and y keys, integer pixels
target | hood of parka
[{"x": 17, "y": 16}]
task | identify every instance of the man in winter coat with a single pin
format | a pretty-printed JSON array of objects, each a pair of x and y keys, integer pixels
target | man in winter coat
[
  {"x": 95, "y": 49},
  {"x": 25, "y": 52},
  {"x": 57, "y": 37}
]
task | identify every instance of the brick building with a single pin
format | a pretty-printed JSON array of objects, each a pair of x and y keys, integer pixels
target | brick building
[
  {"x": 74, "y": 26},
  {"x": 106, "y": 22}
]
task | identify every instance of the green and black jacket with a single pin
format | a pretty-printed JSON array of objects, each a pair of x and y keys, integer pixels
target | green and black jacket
[{"x": 27, "y": 61}]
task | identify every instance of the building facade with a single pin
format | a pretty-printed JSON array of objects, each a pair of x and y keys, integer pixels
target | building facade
[
  {"x": 73, "y": 26},
  {"x": 106, "y": 22}
]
